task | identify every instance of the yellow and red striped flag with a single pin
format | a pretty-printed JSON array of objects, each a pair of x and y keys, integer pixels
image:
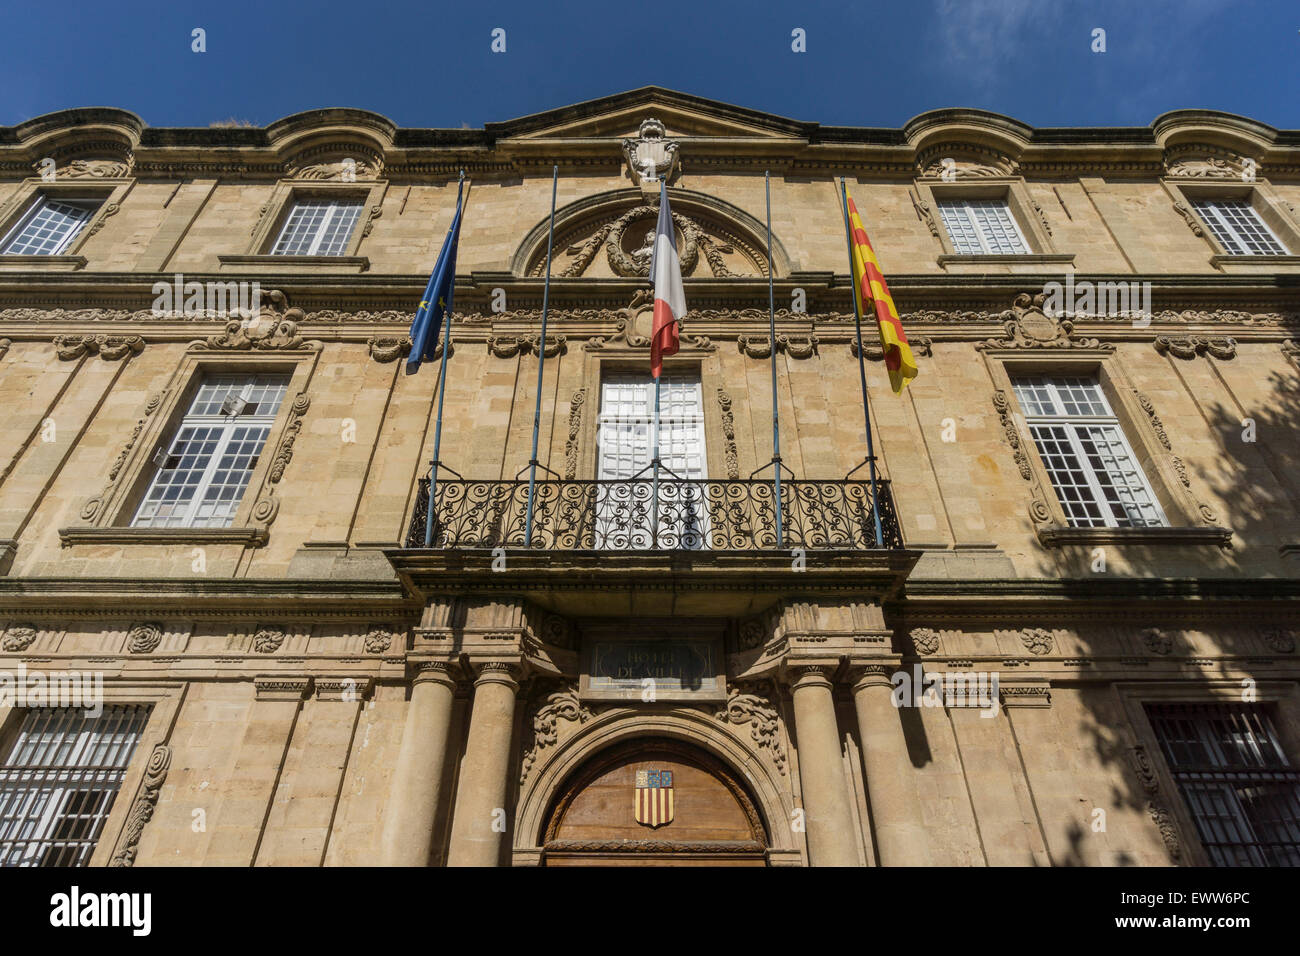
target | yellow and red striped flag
[{"x": 872, "y": 294}]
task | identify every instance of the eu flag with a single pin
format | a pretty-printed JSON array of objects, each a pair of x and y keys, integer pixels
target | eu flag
[{"x": 435, "y": 305}]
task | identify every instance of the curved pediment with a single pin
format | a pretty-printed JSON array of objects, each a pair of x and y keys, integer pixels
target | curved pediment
[
  {"x": 609, "y": 236},
  {"x": 84, "y": 143},
  {"x": 333, "y": 143}
]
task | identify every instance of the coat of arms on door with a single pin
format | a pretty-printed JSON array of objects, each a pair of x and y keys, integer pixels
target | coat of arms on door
[{"x": 654, "y": 797}]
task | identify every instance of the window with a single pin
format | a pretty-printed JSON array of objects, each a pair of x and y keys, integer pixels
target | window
[
  {"x": 982, "y": 227},
  {"x": 201, "y": 478},
  {"x": 1238, "y": 227},
  {"x": 49, "y": 228},
  {"x": 59, "y": 780},
  {"x": 318, "y": 227},
  {"x": 1241, "y": 790},
  {"x": 623, "y": 516},
  {"x": 1083, "y": 448}
]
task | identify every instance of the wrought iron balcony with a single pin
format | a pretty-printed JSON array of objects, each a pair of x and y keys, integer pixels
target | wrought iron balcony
[{"x": 717, "y": 515}]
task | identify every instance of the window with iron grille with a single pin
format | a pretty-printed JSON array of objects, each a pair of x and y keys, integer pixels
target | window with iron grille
[
  {"x": 1236, "y": 780},
  {"x": 626, "y": 449},
  {"x": 1237, "y": 226},
  {"x": 982, "y": 227},
  {"x": 48, "y": 228},
  {"x": 203, "y": 473},
  {"x": 318, "y": 227},
  {"x": 59, "y": 780},
  {"x": 1093, "y": 471}
]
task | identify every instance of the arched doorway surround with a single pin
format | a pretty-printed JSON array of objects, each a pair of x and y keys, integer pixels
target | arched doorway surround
[{"x": 615, "y": 740}]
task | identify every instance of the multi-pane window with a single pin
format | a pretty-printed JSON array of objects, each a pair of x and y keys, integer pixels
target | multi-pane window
[
  {"x": 982, "y": 227},
  {"x": 1237, "y": 226},
  {"x": 49, "y": 228},
  {"x": 59, "y": 780},
  {"x": 318, "y": 227},
  {"x": 624, "y": 517},
  {"x": 1241, "y": 790},
  {"x": 1093, "y": 470},
  {"x": 202, "y": 475}
]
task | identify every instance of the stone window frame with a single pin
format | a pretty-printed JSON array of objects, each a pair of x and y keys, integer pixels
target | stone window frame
[
  {"x": 165, "y": 698},
  {"x": 1015, "y": 192},
  {"x": 1272, "y": 210},
  {"x": 108, "y": 192},
  {"x": 121, "y": 496},
  {"x": 276, "y": 211},
  {"x": 598, "y": 366},
  {"x": 1179, "y": 504},
  {"x": 1280, "y": 697}
]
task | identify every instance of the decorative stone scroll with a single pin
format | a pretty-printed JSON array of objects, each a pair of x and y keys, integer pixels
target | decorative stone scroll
[
  {"x": 1027, "y": 326},
  {"x": 571, "y": 443},
  {"x": 728, "y": 434},
  {"x": 1159, "y": 814},
  {"x": 146, "y": 799},
  {"x": 795, "y": 346},
  {"x": 390, "y": 348},
  {"x": 508, "y": 346}
]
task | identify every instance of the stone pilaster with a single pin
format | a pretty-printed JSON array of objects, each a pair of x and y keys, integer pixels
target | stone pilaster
[
  {"x": 413, "y": 803},
  {"x": 479, "y": 826}
]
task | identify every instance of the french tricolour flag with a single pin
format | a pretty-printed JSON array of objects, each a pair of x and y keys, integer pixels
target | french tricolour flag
[{"x": 670, "y": 301}]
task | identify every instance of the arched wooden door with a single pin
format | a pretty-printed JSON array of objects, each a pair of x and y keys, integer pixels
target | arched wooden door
[{"x": 655, "y": 802}]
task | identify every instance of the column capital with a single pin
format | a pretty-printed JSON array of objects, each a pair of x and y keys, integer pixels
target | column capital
[
  {"x": 509, "y": 673},
  {"x": 810, "y": 675},
  {"x": 878, "y": 673},
  {"x": 442, "y": 672}
]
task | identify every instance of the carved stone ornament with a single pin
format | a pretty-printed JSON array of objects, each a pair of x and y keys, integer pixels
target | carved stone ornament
[
  {"x": 1158, "y": 641},
  {"x": 925, "y": 640},
  {"x": 378, "y": 639},
  {"x": 1189, "y": 217},
  {"x": 1027, "y": 326},
  {"x": 1156, "y": 424},
  {"x": 564, "y": 706},
  {"x": 1281, "y": 640},
  {"x": 1190, "y": 346},
  {"x": 635, "y": 263},
  {"x": 346, "y": 169},
  {"x": 268, "y": 505},
  {"x": 267, "y": 640},
  {"x": 508, "y": 346},
  {"x": 875, "y": 352},
  {"x": 108, "y": 347},
  {"x": 1208, "y": 167},
  {"x": 1037, "y": 640},
  {"x": 948, "y": 168},
  {"x": 1003, "y": 407},
  {"x": 1164, "y": 821},
  {"x": 274, "y": 328},
  {"x": 144, "y": 638},
  {"x": 632, "y": 330},
  {"x": 18, "y": 637},
  {"x": 146, "y": 799},
  {"x": 93, "y": 169},
  {"x": 651, "y": 156},
  {"x": 795, "y": 346},
  {"x": 576, "y": 404},
  {"x": 729, "y": 453},
  {"x": 757, "y": 712},
  {"x": 389, "y": 348}
]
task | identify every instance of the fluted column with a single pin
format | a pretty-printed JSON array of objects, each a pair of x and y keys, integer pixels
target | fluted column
[
  {"x": 413, "y": 801},
  {"x": 479, "y": 824},
  {"x": 828, "y": 816},
  {"x": 896, "y": 823}
]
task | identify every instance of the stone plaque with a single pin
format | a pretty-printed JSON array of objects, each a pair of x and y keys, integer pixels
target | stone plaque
[{"x": 679, "y": 670}]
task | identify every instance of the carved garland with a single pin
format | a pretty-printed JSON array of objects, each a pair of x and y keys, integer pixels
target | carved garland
[
  {"x": 728, "y": 434},
  {"x": 1159, "y": 814},
  {"x": 575, "y": 429},
  {"x": 91, "y": 508},
  {"x": 155, "y": 772},
  {"x": 1039, "y": 510},
  {"x": 795, "y": 346},
  {"x": 108, "y": 347},
  {"x": 1207, "y": 513},
  {"x": 268, "y": 505},
  {"x": 1188, "y": 347}
]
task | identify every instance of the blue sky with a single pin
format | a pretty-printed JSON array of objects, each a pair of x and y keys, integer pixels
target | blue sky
[{"x": 867, "y": 63}]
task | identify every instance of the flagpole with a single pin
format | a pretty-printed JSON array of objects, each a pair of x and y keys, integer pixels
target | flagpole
[
  {"x": 541, "y": 362},
  {"x": 442, "y": 393},
  {"x": 862, "y": 367},
  {"x": 771, "y": 325}
]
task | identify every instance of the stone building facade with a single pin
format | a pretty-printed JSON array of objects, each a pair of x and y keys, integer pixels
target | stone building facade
[{"x": 1084, "y": 594}]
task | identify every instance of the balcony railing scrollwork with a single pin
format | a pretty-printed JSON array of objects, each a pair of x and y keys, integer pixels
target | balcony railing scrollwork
[{"x": 717, "y": 515}]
